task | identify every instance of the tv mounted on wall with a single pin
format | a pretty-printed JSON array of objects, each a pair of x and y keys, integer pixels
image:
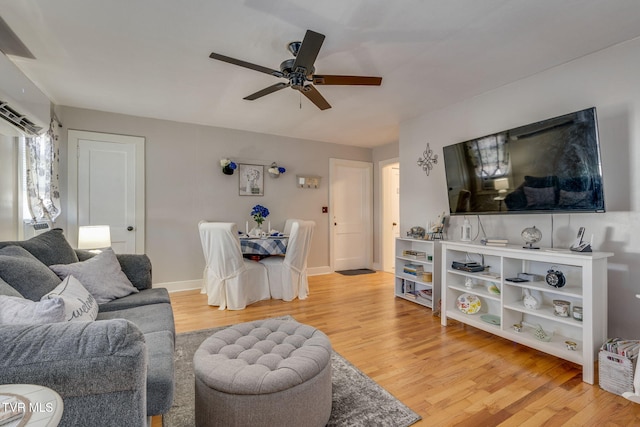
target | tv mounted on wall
[{"x": 551, "y": 166}]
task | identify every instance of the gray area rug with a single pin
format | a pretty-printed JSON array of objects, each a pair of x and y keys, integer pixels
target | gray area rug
[{"x": 357, "y": 399}]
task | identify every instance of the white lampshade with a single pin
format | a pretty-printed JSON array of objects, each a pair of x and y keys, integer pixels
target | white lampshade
[
  {"x": 501, "y": 184},
  {"x": 94, "y": 237}
]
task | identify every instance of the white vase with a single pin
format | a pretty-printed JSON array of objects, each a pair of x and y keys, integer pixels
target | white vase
[
  {"x": 530, "y": 301},
  {"x": 256, "y": 231}
]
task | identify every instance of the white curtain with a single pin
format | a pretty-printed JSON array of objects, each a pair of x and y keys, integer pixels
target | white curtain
[{"x": 42, "y": 160}]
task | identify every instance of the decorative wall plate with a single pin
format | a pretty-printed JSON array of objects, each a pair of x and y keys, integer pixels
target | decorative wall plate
[{"x": 469, "y": 303}]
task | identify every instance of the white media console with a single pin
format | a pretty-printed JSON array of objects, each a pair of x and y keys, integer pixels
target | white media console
[{"x": 502, "y": 311}]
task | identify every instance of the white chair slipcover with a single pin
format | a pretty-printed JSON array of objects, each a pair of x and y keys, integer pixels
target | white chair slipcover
[
  {"x": 287, "y": 225},
  {"x": 288, "y": 274},
  {"x": 229, "y": 280}
]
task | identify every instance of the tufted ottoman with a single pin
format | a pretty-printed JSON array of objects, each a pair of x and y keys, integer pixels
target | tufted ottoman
[{"x": 264, "y": 373}]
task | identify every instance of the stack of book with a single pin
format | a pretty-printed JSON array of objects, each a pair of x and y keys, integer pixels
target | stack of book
[
  {"x": 413, "y": 269},
  {"x": 494, "y": 242},
  {"x": 414, "y": 254}
]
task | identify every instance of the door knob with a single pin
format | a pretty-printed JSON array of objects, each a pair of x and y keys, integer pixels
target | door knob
[
  {"x": 394, "y": 224},
  {"x": 129, "y": 228}
]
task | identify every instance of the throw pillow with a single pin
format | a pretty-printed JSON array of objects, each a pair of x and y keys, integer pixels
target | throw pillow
[
  {"x": 540, "y": 198},
  {"x": 16, "y": 311},
  {"x": 7, "y": 289},
  {"x": 25, "y": 273},
  {"x": 79, "y": 304},
  {"x": 101, "y": 275},
  {"x": 50, "y": 247}
]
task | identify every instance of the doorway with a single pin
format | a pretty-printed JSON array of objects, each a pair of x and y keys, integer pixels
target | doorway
[
  {"x": 351, "y": 201},
  {"x": 106, "y": 187},
  {"x": 390, "y": 212}
]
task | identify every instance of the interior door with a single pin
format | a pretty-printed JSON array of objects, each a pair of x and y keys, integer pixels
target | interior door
[
  {"x": 390, "y": 214},
  {"x": 351, "y": 214},
  {"x": 109, "y": 186}
]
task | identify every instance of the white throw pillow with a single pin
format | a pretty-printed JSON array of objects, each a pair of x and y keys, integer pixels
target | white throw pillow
[
  {"x": 101, "y": 275},
  {"x": 79, "y": 304},
  {"x": 20, "y": 311}
]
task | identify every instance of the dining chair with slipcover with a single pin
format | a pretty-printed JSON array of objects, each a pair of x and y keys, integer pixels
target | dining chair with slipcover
[
  {"x": 229, "y": 280},
  {"x": 288, "y": 274},
  {"x": 287, "y": 225}
]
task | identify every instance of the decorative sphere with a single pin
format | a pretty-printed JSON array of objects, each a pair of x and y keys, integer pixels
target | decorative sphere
[{"x": 531, "y": 235}]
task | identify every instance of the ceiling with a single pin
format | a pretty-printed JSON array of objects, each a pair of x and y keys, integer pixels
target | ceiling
[{"x": 150, "y": 58}]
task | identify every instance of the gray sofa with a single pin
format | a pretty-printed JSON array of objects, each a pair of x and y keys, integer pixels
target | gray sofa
[{"x": 115, "y": 371}]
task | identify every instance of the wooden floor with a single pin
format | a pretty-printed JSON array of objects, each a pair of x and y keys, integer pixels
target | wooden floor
[{"x": 456, "y": 375}]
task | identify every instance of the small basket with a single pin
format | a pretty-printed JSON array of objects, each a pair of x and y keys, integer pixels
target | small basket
[{"x": 616, "y": 372}]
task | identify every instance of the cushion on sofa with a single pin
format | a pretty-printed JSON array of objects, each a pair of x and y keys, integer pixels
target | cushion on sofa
[
  {"x": 18, "y": 311},
  {"x": 148, "y": 318},
  {"x": 101, "y": 275},
  {"x": 79, "y": 304},
  {"x": 144, "y": 297},
  {"x": 25, "y": 273},
  {"x": 50, "y": 247},
  {"x": 137, "y": 267}
]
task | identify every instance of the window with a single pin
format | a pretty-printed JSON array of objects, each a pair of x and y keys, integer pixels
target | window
[
  {"x": 490, "y": 156},
  {"x": 40, "y": 159}
]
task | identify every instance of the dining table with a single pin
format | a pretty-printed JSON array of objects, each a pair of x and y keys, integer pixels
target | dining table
[{"x": 264, "y": 246}]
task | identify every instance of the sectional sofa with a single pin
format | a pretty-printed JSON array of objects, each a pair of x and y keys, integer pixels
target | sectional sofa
[{"x": 110, "y": 356}]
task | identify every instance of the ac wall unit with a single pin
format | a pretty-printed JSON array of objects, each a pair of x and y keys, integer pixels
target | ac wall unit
[
  {"x": 24, "y": 109},
  {"x": 33, "y": 228}
]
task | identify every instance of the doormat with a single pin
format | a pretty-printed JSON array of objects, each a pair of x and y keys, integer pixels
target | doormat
[{"x": 355, "y": 272}]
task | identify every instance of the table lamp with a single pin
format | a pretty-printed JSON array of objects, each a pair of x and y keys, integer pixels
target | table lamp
[
  {"x": 501, "y": 185},
  {"x": 94, "y": 237}
]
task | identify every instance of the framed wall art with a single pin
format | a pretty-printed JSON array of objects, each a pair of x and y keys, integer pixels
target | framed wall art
[{"x": 251, "y": 180}]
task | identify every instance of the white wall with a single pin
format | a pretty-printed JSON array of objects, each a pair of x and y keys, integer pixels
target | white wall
[
  {"x": 184, "y": 184},
  {"x": 608, "y": 80}
]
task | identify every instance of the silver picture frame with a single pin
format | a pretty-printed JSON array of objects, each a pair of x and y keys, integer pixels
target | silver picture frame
[{"x": 251, "y": 180}]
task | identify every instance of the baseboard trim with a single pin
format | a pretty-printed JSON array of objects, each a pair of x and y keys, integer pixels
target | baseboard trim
[
  {"x": 186, "y": 285},
  {"x": 317, "y": 271}
]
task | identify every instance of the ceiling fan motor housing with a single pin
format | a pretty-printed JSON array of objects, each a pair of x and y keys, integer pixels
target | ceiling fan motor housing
[{"x": 287, "y": 69}]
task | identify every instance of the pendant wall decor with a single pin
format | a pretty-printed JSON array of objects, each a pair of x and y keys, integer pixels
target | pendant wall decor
[{"x": 428, "y": 160}]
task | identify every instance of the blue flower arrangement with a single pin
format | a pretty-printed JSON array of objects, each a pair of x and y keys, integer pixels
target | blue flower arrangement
[
  {"x": 259, "y": 213},
  {"x": 228, "y": 166},
  {"x": 275, "y": 170}
]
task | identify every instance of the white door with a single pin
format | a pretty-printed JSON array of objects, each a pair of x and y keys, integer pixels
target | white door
[
  {"x": 350, "y": 194},
  {"x": 390, "y": 218},
  {"x": 108, "y": 185}
]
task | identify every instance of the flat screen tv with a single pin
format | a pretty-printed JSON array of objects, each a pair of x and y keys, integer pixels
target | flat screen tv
[{"x": 551, "y": 166}]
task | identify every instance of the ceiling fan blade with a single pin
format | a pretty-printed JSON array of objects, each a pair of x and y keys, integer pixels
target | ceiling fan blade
[
  {"x": 314, "y": 96},
  {"x": 266, "y": 91},
  {"x": 346, "y": 80},
  {"x": 245, "y": 64},
  {"x": 308, "y": 52}
]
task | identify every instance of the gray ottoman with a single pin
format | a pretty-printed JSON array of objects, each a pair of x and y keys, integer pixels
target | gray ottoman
[{"x": 264, "y": 373}]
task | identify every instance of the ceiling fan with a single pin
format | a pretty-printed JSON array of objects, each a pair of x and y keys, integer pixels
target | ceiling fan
[{"x": 300, "y": 71}]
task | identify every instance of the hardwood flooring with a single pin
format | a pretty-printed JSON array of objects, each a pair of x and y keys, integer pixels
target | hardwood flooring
[{"x": 453, "y": 376}]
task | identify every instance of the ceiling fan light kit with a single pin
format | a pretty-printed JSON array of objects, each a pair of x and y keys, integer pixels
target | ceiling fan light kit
[{"x": 299, "y": 71}]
